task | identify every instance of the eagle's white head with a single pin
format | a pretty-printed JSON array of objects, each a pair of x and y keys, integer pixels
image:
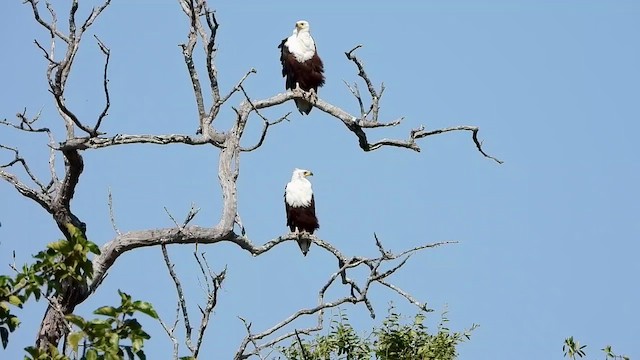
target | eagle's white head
[
  {"x": 298, "y": 191},
  {"x": 300, "y": 43},
  {"x": 300, "y": 174},
  {"x": 301, "y": 27}
]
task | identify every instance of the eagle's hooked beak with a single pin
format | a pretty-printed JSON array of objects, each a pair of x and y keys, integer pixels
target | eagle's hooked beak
[{"x": 308, "y": 173}]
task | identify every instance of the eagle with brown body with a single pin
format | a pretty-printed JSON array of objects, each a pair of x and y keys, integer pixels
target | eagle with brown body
[
  {"x": 300, "y": 206},
  {"x": 301, "y": 65}
]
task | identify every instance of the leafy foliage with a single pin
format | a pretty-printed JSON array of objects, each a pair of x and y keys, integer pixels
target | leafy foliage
[
  {"x": 105, "y": 335},
  {"x": 63, "y": 260},
  {"x": 392, "y": 341},
  {"x": 572, "y": 348},
  {"x": 66, "y": 262}
]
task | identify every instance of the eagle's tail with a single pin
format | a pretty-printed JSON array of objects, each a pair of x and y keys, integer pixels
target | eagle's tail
[
  {"x": 305, "y": 244},
  {"x": 303, "y": 106}
]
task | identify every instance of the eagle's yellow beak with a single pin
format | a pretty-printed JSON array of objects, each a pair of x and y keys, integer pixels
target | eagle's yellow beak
[
  {"x": 298, "y": 25},
  {"x": 308, "y": 173}
]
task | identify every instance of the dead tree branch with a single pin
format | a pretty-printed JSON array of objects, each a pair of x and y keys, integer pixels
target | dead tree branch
[
  {"x": 213, "y": 283},
  {"x": 182, "y": 302},
  {"x": 105, "y": 83},
  {"x": 354, "y": 297}
]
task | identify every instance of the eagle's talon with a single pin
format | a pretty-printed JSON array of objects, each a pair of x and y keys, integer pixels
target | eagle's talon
[{"x": 313, "y": 97}]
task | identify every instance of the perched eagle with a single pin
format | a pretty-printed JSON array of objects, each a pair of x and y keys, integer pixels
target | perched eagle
[
  {"x": 301, "y": 65},
  {"x": 301, "y": 207}
]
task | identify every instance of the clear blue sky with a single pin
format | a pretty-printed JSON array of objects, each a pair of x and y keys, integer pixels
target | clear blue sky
[{"x": 548, "y": 241}]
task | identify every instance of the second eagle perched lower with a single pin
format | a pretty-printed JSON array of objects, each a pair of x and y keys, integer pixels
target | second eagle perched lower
[
  {"x": 301, "y": 65},
  {"x": 301, "y": 208}
]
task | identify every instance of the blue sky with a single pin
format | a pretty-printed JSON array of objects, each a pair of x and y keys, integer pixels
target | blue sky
[{"x": 548, "y": 240}]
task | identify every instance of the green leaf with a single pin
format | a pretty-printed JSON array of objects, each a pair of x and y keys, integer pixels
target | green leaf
[
  {"x": 4, "y": 336},
  {"x": 92, "y": 354},
  {"x": 73, "y": 231},
  {"x": 111, "y": 356},
  {"x": 58, "y": 245},
  {"x": 129, "y": 353},
  {"x": 137, "y": 344},
  {"x": 106, "y": 311},
  {"x": 74, "y": 339},
  {"x": 146, "y": 308},
  {"x": 124, "y": 296},
  {"x": 93, "y": 247},
  {"x": 76, "y": 320},
  {"x": 13, "y": 322},
  {"x": 15, "y": 301}
]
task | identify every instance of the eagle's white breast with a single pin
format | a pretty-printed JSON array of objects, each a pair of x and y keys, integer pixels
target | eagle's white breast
[
  {"x": 301, "y": 45},
  {"x": 298, "y": 192}
]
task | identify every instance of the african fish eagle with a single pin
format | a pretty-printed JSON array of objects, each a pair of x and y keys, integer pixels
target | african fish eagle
[
  {"x": 301, "y": 65},
  {"x": 301, "y": 207}
]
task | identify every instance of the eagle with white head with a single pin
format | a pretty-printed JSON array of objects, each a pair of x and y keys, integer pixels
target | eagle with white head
[
  {"x": 301, "y": 65},
  {"x": 300, "y": 206}
]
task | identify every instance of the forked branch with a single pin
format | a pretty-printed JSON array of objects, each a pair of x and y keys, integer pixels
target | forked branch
[
  {"x": 212, "y": 283},
  {"x": 356, "y": 294}
]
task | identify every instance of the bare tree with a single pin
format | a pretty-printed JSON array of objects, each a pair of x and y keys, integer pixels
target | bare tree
[{"x": 55, "y": 194}]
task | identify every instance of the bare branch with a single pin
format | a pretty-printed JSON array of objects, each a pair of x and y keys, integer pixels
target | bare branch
[
  {"x": 361, "y": 72},
  {"x": 358, "y": 294},
  {"x": 84, "y": 143},
  {"x": 267, "y": 124},
  {"x": 302, "y": 349},
  {"x": 20, "y": 160},
  {"x": 250, "y": 339},
  {"x": 406, "y": 295},
  {"x": 93, "y": 16},
  {"x": 235, "y": 88},
  {"x": 171, "y": 330},
  {"x": 357, "y": 126},
  {"x": 193, "y": 211},
  {"x": 74, "y": 165},
  {"x": 421, "y": 133},
  {"x": 356, "y": 93},
  {"x": 266, "y": 121},
  {"x": 111, "y": 215},
  {"x": 105, "y": 83},
  {"x": 52, "y": 162},
  {"x": 214, "y": 283},
  {"x": 213, "y": 25},
  {"x": 42, "y": 199},
  {"x": 50, "y": 27},
  {"x": 181, "y": 299},
  {"x": 187, "y": 52}
]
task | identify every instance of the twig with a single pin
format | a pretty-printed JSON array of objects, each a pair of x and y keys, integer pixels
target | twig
[
  {"x": 36, "y": 15},
  {"x": 214, "y": 282},
  {"x": 105, "y": 83},
  {"x": 302, "y": 349},
  {"x": 18, "y": 159},
  {"x": 111, "y": 215},
  {"x": 181, "y": 299},
  {"x": 421, "y": 133},
  {"x": 170, "y": 332}
]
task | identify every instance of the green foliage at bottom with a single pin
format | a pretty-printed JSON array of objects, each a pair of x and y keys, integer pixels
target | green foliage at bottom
[
  {"x": 393, "y": 340},
  {"x": 65, "y": 263},
  {"x": 572, "y": 349}
]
